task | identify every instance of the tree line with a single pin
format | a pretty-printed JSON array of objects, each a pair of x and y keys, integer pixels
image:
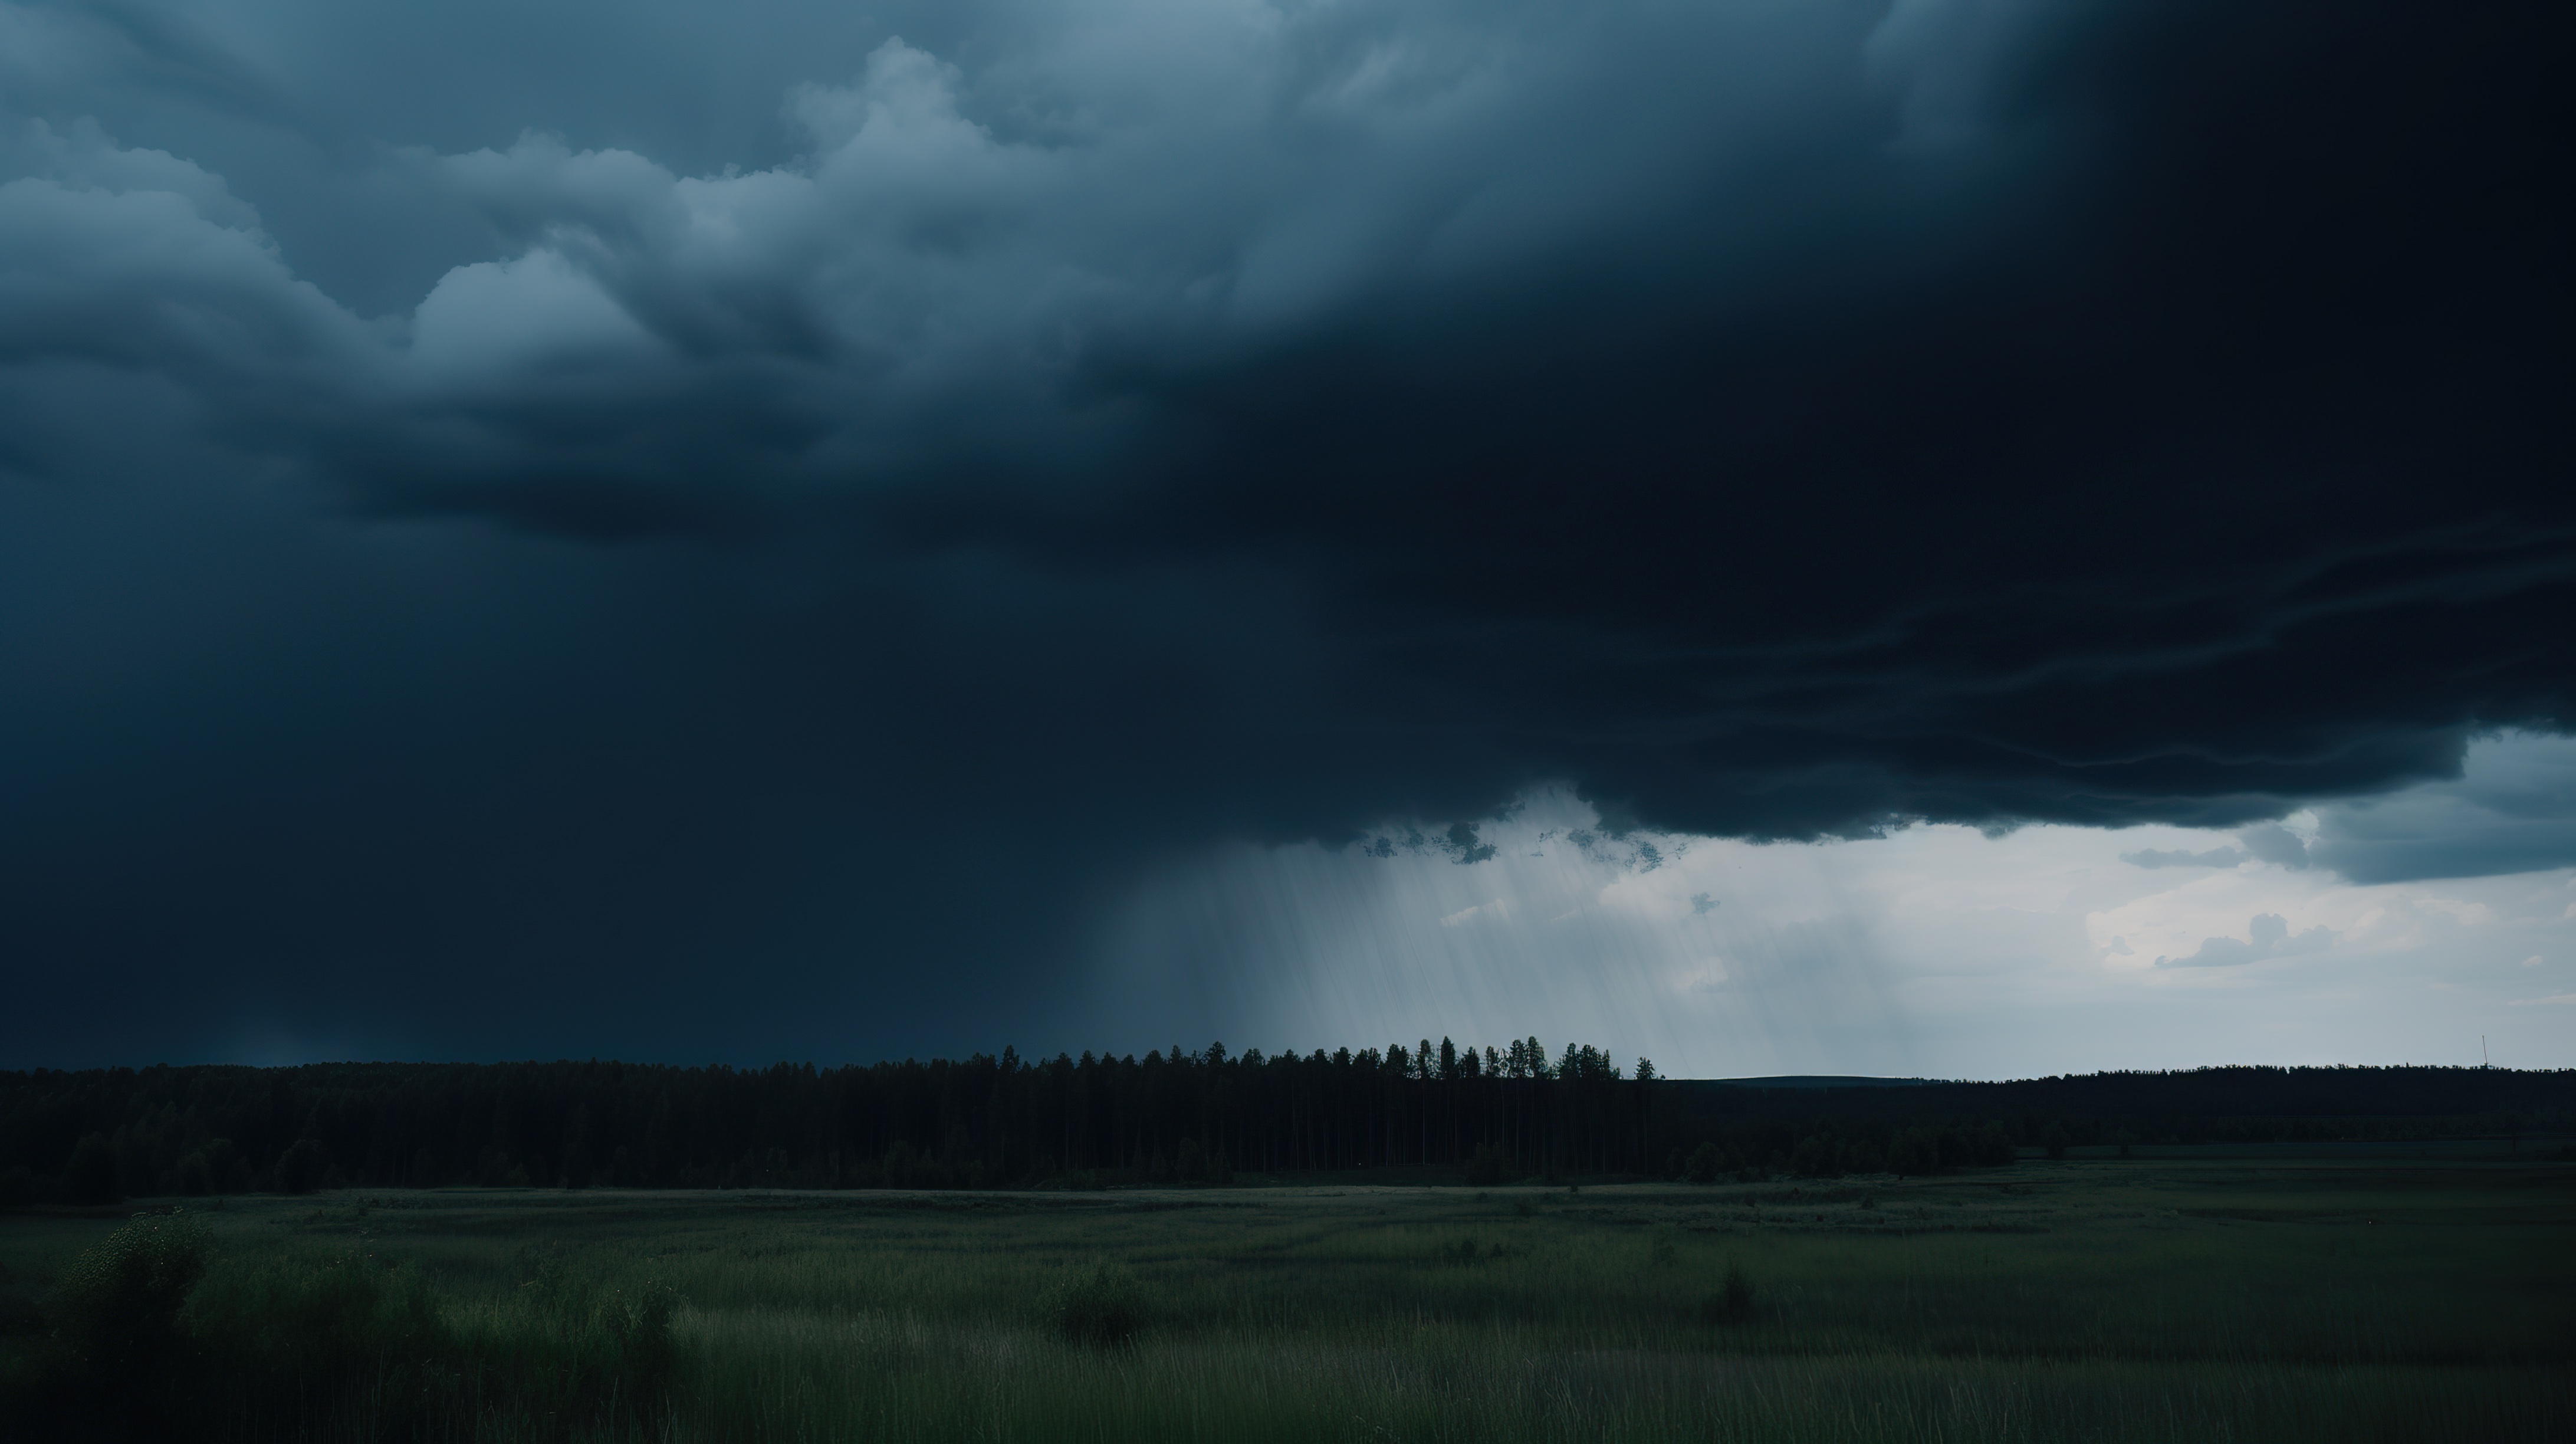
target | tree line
[
  {"x": 1429, "y": 1110},
  {"x": 980, "y": 1122}
]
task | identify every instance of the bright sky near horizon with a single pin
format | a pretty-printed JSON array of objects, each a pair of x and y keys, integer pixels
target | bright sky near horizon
[{"x": 1934, "y": 951}]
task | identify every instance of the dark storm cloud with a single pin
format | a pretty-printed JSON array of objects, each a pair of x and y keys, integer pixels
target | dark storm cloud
[
  {"x": 1147, "y": 422},
  {"x": 2513, "y": 811}
]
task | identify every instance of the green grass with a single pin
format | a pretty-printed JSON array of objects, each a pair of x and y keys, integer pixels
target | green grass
[{"x": 2166, "y": 1299}]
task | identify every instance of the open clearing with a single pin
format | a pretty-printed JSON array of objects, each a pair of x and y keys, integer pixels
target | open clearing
[{"x": 2318, "y": 1295}]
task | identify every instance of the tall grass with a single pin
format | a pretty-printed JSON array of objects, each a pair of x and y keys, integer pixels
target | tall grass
[
  {"x": 333, "y": 1341},
  {"x": 2127, "y": 1305},
  {"x": 767, "y": 1377}
]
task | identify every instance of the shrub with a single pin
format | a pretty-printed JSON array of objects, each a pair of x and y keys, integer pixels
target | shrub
[
  {"x": 2054, "y": 1140},
  {"x": 115, "y": 1313},
  {"x": 1100, "y": 1306},
  {"x": 637, "y": 1320},
  {"x": 1732, "y": 1301},
  {"x": 116, "y": 1363},
  {"x": 1485, "y": 1169}
]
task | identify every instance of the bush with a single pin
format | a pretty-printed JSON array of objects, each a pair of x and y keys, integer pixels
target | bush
[
  {"x": 1485, "y": 1169},
  {"x": 637, "y": 1319},
  {"x": 1732, "y": 1302},
  {"x": 115, "y": 1313},
  {"x": 116, "y": 1363},
  {"x": 2054, "y": 1140},
  {"x": 1100, "y": 1306}
]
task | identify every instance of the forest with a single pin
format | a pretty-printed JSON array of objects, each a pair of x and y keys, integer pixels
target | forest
[{"x": 1421, "y": 1113}]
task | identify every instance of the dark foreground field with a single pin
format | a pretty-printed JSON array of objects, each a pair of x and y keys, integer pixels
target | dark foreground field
[{"x": 2268, "y": 1296}]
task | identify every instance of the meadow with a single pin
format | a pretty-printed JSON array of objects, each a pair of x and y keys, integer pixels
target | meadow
[{"x": 2195, "y": 1295}]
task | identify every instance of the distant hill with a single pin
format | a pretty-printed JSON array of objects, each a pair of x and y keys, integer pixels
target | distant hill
[{"x": 1814, "y": 1080}]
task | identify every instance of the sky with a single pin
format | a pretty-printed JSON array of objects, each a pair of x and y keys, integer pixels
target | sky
[{"x": 1960, "y": 537}]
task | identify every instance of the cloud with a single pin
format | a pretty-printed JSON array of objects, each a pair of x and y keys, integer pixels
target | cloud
[
  {"x": 1315, "y": 299},
  {"x": 2212, "y": 857},
  {"x": 2511, "y": 809},
  {"x": 1938, "y": 950},
  {"x": 938, "y": 431},
  {"x": 2277, "y": 845},
  {"x": 2267, "y": 936},
  {"x": 136, "y": 260}
]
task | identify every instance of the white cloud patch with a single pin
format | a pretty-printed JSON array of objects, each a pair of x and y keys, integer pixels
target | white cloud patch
[
  {"x": 2267, "y": 936},
  {"x": 2175, "y": 857}
]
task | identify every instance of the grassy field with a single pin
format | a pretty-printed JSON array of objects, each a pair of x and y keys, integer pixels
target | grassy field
[{"x": 2316, "y": 1296}]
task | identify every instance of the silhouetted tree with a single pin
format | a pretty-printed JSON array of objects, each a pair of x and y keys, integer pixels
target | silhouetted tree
[
  {"x": 301, "y": 1167},
  {"x": 90, "y": 1177},
  {"x": 1102, "y": 1119}
]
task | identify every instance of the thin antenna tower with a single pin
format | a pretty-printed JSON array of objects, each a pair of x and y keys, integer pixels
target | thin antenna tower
[{"x": 2482, "y": 1052}]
